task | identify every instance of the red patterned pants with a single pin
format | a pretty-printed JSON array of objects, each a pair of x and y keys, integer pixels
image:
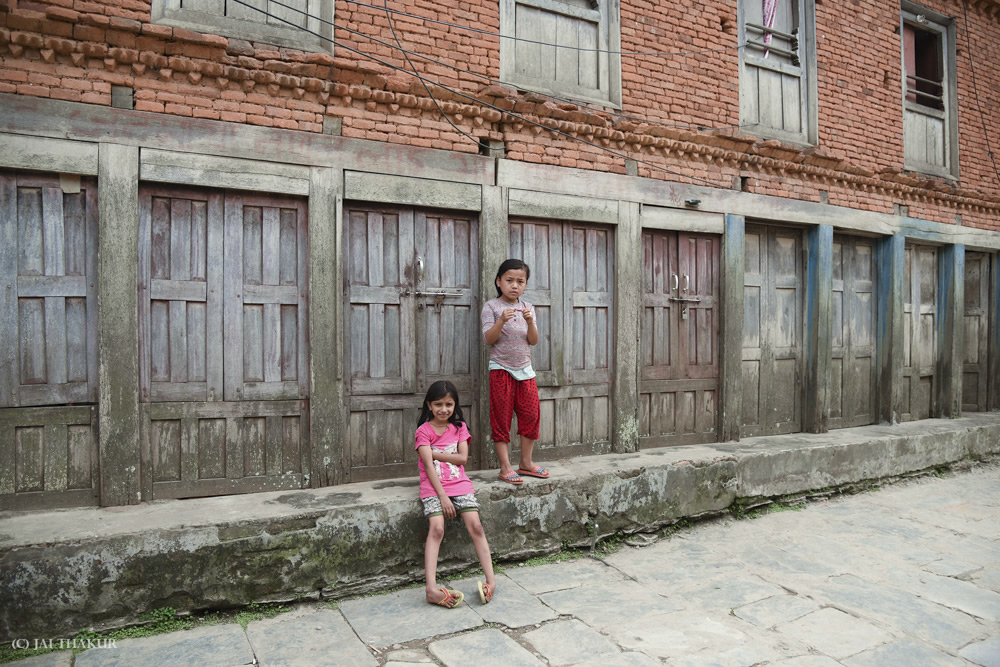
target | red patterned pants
[{"x": 509, "y": 396}]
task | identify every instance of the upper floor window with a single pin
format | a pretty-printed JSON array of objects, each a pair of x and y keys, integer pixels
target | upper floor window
[
  {"x": 565, "y": 47},
  {"x": 778, "y": 69},
  {"x": 930, "y": 129},
  {"x": 263, "y": 21}
]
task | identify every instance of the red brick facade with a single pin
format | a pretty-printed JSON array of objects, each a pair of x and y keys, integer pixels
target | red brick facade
[{"x": 78, "y": 49}]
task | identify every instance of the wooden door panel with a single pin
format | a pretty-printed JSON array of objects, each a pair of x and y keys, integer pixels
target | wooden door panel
[
  {"x": 199, "y": 449},
  {"x": 412, "y": 308},
  {"x": 772, "y": 331},
  {"x": 540, "y": 245},
  {"x": 977, "y": 316},
  {"x": 48, "y": 255},
  {"x": 180, "y": 270},
  {"x": 853, "y": 323},
  {"x": 380, "y": 266},
  {"x": 919, "y": 333},
  {"x": 48, "y": 457},
  {"x": 679, "y": 333}
]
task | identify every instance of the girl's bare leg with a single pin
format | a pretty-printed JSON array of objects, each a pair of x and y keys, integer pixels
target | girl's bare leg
[
  {"x": 435, "y": 533},
  {"x": 478, "y": 535},
  {"x": 526, "y": 446},
  {"x": 503, "y": 453}
]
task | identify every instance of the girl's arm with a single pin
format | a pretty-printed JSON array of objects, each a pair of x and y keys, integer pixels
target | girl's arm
[
  {"x": 493, "y": 333},
  {"x": 458, "y": 459},
  {"x": 425, "y": 454},
  {"x": 529, "y": 318}
]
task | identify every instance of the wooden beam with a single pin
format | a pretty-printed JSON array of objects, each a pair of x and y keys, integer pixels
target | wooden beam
[
  {"x": 818, "y": 295},
  {"x": 494, "y": 244},
  {"x": 326, "y": 401},
  {"x": 40, "y": 153},
  {"x": 118, "y": 353},
  {"x": 731, "y": 333},
  {"x": 950, "y": 329},
  {"x": 890, "y": 254},
  {"x": 993, "y": 345},
  {"x": 627, "y": 314},
  {"x": 396, "y": 190}
]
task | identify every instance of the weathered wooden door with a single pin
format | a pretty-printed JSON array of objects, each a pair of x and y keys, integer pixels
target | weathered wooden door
[
  {"x": 975, "y": 375},
  {"x": 222, "y": 342},
  {"x": 679, "y": 338},
  {"x": 852, "y": 369},
  {"x": 920, "y": 358},
  {"x": 772, "y": 331},
  {"x": 411, "y": 308},
  {"x": 48, "y": 341},
  {"x": 572, "y": 289}
]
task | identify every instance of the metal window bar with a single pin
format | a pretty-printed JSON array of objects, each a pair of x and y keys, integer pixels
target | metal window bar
[
  {"x": 794, "y": 55},
  {"x": 939, "y": 99},
  {"x": 921, "y": 79}
]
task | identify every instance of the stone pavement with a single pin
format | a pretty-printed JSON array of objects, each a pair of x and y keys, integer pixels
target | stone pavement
[{"x": 907, "y": 575}]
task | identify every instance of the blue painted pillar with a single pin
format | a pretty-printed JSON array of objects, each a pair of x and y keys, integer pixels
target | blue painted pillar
[
  {"x": 890, "y": 258},
  {"x": 950, "y": 329},
  {"x": 731, "y": 334},
  {"x": 818, "y": 297}
]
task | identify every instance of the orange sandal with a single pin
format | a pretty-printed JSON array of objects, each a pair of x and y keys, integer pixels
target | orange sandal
[
  {"x": 511, "y": 478},
  {"x": 485, "y": 591},
  {"x": 451, "y": 598}
]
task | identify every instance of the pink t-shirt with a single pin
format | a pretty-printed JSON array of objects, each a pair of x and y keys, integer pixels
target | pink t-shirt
[
  {"x": 511, "y": 349},
  {"x": 454, "y": 481}
]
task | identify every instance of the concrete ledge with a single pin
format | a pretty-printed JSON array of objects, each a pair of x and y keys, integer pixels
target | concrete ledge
[{"x": 65, "y": 570}]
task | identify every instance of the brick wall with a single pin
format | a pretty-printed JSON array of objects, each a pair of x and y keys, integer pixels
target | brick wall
[{"x": 77, "y": 49}]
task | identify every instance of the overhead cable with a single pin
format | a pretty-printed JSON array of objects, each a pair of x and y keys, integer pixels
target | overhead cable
[
  {"x": 459, "y": 93},
  {"x": 542, "y": 43}
]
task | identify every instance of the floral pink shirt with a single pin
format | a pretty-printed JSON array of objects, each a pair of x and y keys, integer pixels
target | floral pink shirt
[{"x": 454, "y": 481}]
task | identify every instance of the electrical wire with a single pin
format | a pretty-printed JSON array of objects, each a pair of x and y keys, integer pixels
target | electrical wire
[
  {"x": 975, "y": 88},
  {"x": 584, "y": 105},
  {"x": 534, "y": 41},
  {"x": 458, "y": 93},
  {"x": 427, "y": 88}
]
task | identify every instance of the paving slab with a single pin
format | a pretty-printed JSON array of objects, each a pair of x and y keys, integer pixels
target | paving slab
[
  {"x": 835, "y": 633},
  {"x": 985, "y": 653},
  {"x": 483, "y": 648},
  {"x": 570, "y": 643},
  {"x": 988, "y": 579},
  {"x": 559, "y": 576},
  {"x": 776, "y": 610},
  {"x": 511, "y": 605},
  {"x": 408, "y": 657},
  {"x": 730, "y": 593},
  {"x": 903, "y": 610},
  {"x": 809, "y": 661},
  {"x": 950, "y": 592},
  {"x": 676, "y": 635},
  {"x": 607, "y": 602},
  {"x": 216, "y": 645},
  {"x": 403, "y": 616},
  {"x": 307, "y": 636},
  {"x": 903, "y": 652},
  {"x": 950, "y": 567}
]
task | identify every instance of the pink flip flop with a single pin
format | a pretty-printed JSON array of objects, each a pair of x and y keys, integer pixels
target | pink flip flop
[{"x": 537, "y": 471}]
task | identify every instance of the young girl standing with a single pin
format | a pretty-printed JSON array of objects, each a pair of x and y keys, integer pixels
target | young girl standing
[
  {"x": 509, "y": 329},
  {"x": 442, "y": 443}
]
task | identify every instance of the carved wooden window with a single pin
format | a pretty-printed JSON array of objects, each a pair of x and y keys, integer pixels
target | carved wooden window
[
  {"x": 778, "y": 70},
  {"x": 930, "y": 132},
  {"x": 564, "y": 47}
]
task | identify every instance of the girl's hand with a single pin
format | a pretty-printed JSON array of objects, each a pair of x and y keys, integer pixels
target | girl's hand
[
  {"x": 507, "y": 314},
  {"x": 447, "y": 507},
  {"x": 529, "y": 315}
]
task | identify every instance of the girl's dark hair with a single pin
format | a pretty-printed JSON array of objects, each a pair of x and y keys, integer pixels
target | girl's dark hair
[
  {"x": 436, "y": 392},
  {"x": 511, "y": 265}
]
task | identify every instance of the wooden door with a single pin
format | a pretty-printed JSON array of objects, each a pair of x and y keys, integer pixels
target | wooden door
[
  {"x": 266, "y": 307},
  {"x": 180, "y": 295},
  {"x": 679, "y": 339},
  {"x": 772, "y": 331},
  {"x": 222, "y": 342},
  {"x": 571, "y": 287},
  {"x": 920, "y": 358},
  {"x": 852, "y": 369},
  {"x": 411, "y": 287},
  {"x": 977, "y": 316},
  {"x": 48, "y": 341}
]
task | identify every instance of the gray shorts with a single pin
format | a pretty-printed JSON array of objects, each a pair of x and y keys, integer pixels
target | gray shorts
[{"x": 466, "y": 503}]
